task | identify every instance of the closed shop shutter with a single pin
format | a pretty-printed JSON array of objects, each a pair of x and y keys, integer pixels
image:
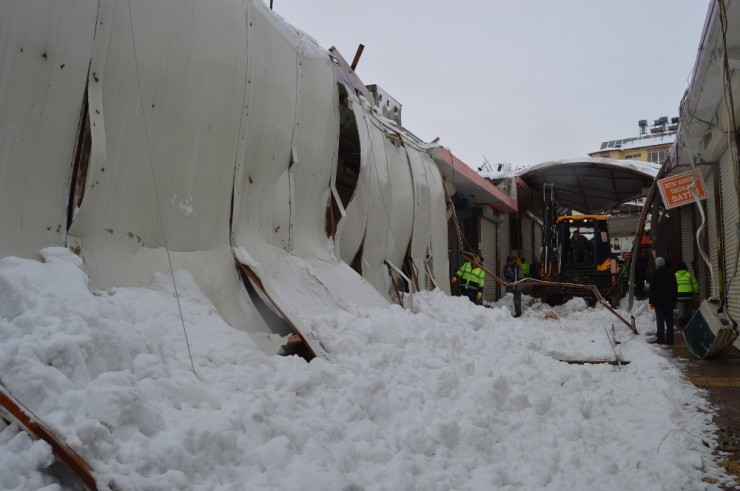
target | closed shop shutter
[
  {"x": 711, "y": 227},
  {"x": 488, "y": 249},
  {"x": 731, "y": 226},
  {"x": 502, "y": 244},
  {"x": 527, "y": 238},
  {"x": 688, "y": 235},
  {"x": 537, "y": 244}
]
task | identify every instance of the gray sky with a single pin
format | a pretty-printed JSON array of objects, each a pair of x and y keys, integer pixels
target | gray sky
[{"x": 517, "y": 81}]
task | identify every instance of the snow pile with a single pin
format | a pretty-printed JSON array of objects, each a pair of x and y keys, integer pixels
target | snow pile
[{"x": 453, "y": 397}]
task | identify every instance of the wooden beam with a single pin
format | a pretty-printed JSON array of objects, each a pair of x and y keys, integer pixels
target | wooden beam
[
  {"x": 21, "y": 415},
  {"x": 257, "y": 283},
  {"x": 358, "y": 53},
  {"x": 595, "y": 362}
]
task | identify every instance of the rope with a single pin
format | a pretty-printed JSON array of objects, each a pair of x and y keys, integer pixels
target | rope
[
  {"x": 156, "y": 192},
  {"x": 460, "y": 237},
  {"x": 700, "y": 230}
]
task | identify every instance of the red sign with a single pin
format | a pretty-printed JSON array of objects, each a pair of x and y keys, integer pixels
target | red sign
[{"x": 676, "y": 191}]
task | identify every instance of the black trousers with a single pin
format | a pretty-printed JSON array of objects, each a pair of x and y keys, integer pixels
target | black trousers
[
  {"x": 664, "y": 321},
  {"x": 471, "y": 293}
]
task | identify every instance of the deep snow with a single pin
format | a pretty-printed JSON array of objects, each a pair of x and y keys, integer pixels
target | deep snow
[{"x": 454, "y": 396}]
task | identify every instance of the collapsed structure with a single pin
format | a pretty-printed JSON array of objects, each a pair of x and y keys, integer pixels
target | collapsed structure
[{"x": 216, "y": 139}]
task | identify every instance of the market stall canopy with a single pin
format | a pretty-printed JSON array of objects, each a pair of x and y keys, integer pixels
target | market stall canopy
[{"x": 592, "y": 185}]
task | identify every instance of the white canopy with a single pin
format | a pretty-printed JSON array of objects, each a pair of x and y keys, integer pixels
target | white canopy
[{"x": 592, "y": 185}]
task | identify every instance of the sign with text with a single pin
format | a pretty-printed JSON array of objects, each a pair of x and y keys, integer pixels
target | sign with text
[{"x": 675, "y": 189}]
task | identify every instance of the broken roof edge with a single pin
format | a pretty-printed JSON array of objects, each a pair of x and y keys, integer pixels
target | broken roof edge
[
  {"x": 451, "y": 167},
  {"x": 704, "y": 55},
  {"x": 459, "y": 173},
  {"x": 702, "y": 98}
]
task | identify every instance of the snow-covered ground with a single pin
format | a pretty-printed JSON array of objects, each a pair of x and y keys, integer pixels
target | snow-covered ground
[{"x": 452, "y": 397}]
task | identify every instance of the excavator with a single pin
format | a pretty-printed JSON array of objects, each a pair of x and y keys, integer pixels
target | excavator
[{"x": 576, "y": 250}]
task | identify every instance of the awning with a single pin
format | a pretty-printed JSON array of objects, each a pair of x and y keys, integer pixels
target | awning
[
  {"x": 703, "y": 108},
  {"x": 470, "y": 184},
  {"x": 592, "y": 185}
]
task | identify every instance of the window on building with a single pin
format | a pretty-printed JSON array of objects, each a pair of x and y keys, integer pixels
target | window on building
[{"x": 657, "y": 156}]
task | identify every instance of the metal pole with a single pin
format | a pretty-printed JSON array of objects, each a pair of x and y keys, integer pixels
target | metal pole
[{"x": 638, "y": 232}]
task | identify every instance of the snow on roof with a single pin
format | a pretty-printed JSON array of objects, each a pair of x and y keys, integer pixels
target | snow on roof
[
  {"x": 664, "y": 139},
  {"x": 592, "y": 184},
  {"x": 646, "y": 168}
]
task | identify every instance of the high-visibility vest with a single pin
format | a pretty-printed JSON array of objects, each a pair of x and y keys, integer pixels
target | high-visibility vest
[
  {"x": 468, "y": 274},
  {"x": 524, "y": 266},
  {"x": 686, "y": 281}
]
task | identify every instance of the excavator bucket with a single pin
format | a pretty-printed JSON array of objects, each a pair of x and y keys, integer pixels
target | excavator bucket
[{"x": 710, "y": 333}]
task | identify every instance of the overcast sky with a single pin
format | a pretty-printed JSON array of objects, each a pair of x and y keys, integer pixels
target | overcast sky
[{"x": 520, "y": 82}]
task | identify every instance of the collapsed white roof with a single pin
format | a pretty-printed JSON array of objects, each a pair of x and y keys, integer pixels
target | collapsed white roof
[
  {"x": 204, "y": 137},
  {"x": 592, "y": 185}
]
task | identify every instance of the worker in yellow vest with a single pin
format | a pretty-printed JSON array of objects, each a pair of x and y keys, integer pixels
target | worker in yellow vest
[
  {"x": 688, "y": 291},
  {"x": 524, "y": 266},
  {"x": 471, "y": 279}
]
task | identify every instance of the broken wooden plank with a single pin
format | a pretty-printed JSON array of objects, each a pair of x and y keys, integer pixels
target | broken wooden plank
[
  {"x": 596, "y": 362},
  {"x": 15, "y": 411}
]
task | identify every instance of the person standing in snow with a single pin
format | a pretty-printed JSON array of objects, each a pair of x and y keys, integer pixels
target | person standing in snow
[
  {"x": 688, "y": 290},
  {"x": 513, "y": 273},
  {"x": 663, "y": 296},
  {"x": 524, "y": 266},
  {"x": 472, "y": 279}
]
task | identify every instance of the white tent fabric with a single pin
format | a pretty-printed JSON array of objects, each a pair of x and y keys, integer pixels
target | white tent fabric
[
  {"x": 214, "y": 139},
  {"x": 591, "y": 185},
  {"x": 429, "y": 240},
  {"x": 399, "y": 210},
  {"x": 44, "y": 59},
  {"x": 282, "y": 183},
  {"x": 351, "y": 228},
  {"x": 165, "y": 111}
]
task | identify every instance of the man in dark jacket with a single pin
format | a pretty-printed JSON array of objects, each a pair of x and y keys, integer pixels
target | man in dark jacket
[
  {"x": 663, "y": 296},
  {"x": 513, "y": 273}
]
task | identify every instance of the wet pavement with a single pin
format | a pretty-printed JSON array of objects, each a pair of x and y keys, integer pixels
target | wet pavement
[{"x": 720, "y": 377}]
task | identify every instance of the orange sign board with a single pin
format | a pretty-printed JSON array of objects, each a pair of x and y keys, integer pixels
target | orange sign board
[{"x": 675, "y": 190}]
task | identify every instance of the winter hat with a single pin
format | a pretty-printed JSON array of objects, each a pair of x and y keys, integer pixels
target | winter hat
[{"x": 659, "y": 262}]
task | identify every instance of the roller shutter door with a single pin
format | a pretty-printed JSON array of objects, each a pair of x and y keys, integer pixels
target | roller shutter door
[
  {"x": 502, "y": 245},
  {"x": 537, "y": 245},
  {"x": 731, "y": 226},
  {"x": 688, "y": 235},
  {"x": 488, "y": 249},
  {"x": 527, "y": 238}
]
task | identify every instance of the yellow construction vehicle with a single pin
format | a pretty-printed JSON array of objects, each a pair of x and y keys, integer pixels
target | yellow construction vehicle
[{"x": 576, "y": 249}]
